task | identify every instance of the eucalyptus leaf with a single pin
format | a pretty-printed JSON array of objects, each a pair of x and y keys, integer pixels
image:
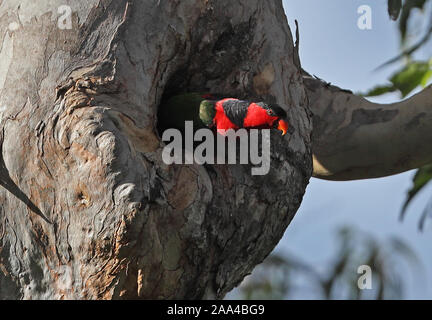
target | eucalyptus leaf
[
  {"x": 394, "y": 8},
  {"x": 422, "y": 177},
  {"x": 414, "y": 74},
  {"x": 379, "y": 90},
  {"x": 410, "y": 77}
]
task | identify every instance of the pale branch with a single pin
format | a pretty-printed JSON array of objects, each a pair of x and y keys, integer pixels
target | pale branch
[{"x": 354, "y": 138}]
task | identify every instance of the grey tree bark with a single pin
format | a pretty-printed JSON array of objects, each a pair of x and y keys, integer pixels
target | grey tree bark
[
  {"x": 354, "y": 138},
  {"x": 88, "y": 208}
]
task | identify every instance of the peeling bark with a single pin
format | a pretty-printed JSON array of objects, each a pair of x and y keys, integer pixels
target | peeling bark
[{"x": 88, "y": 209}]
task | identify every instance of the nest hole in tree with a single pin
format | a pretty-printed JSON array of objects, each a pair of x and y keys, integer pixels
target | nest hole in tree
[{"x": 214, "y": 67}]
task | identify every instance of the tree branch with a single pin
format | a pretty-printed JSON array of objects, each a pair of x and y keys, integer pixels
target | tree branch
[{"x": 354, "y": 138}]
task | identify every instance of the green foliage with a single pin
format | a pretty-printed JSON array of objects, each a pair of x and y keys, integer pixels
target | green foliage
[
  {"x": 273, "y": 279},
  {"x": 422, "y": 177},
  {"x": 379, "y": 90},
  {"x": 413, "y": 75}
]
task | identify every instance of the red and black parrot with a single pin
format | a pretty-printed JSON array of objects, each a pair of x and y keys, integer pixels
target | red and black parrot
[{"x": 207, "y": 110}]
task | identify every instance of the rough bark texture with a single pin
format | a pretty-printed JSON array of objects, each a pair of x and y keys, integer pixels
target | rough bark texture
[
  {"x": 354, "y": 138},
  {"x": 88, "y": 209}
]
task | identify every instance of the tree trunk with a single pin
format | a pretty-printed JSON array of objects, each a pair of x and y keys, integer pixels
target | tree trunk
[{"x": 88, "y": 209}]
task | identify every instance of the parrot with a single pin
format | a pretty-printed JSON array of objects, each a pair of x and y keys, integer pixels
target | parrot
[{"x": 216, "y": 112}]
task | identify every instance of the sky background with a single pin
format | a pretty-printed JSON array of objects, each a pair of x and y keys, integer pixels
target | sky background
[{"x": 336, "y": 50}]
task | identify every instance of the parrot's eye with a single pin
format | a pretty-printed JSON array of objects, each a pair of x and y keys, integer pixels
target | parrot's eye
[{"x": 270, "y": 112}]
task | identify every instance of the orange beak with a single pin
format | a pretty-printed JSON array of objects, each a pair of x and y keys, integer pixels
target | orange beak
[{"x": 283, "y": 126}]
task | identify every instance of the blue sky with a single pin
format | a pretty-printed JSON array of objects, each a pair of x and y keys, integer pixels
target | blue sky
[{"x": 335, "y": 49}]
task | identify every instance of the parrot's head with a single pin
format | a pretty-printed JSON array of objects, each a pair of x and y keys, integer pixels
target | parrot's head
[
  {"x": 276, "y": 117},
  {"x": 263, "y": 115}
]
